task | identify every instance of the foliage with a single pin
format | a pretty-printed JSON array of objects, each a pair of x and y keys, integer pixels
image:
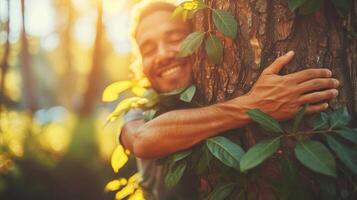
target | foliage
[
  {"x": 326, "y": 148},
  {"x": 224, "y": 21}
]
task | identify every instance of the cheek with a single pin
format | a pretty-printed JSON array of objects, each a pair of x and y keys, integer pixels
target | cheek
[{"x": 147, "y": 68}]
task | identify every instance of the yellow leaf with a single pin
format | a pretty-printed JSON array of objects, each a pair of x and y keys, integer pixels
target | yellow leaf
[
  {"x": 138, "y": 91},
  {"x": 125, "y": 105},
  {"x": 189, "y": 5},
  {"x": 177, "y": 12},
  {"x": 143, "y": 82},
  {"x": 135, "y": 178},
  {"x": 126, "y": 191},
  {"x": 112, "y": 92},
  {"x": 119, "y": 158},
  {"x": 115, "y": 185},
  {"x": 138, "y": 195}
]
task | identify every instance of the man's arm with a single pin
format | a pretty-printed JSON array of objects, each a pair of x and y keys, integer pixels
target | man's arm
[{"x": 279, "y": 96}]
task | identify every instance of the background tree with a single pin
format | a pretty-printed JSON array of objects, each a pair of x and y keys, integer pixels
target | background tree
[{"x": 322, "y": 33}]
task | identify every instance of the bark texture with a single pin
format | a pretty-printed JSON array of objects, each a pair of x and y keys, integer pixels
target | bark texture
[{"x": 266, "y": 30}]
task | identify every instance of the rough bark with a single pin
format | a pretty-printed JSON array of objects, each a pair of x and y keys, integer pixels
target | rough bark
[{"x": 266, "y": 30}]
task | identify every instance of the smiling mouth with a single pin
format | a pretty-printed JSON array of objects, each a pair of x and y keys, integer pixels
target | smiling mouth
[{"x": 170, "y": 71}]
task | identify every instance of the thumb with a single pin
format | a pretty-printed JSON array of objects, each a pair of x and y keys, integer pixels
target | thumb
[{"x": 279, "y": 63}]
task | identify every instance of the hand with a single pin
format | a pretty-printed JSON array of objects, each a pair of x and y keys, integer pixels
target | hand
[{"x": 282, "y": 96}]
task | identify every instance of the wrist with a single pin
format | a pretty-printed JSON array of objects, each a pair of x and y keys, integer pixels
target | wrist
[{"x": 237, "y": 109}]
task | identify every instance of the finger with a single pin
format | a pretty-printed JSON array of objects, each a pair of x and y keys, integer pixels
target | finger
[
  {"x": 316, "y": 108},
  {"x": 309, "y": 74},
  {"x": 318, "y": 96},
  {"x": 318, "y": 84},
  {"x": 279, "y": 63}
]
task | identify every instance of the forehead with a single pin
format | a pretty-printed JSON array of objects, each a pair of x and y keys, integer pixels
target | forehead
[{"x": 158, "y": 23}]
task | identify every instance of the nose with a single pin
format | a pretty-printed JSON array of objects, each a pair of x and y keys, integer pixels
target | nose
[{"x": 164, "y": 55}]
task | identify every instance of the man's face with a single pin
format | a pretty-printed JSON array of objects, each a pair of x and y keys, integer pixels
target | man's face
[{"x": 159, "y": 38}]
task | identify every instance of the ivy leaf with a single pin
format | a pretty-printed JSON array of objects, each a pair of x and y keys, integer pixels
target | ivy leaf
[
  {"x": 348, "y": 133},
  {"x": 225, "y": 23},
  {"x": 339, "y": 118},
  {"x": 347, "y": 156},
  {"x": 310, "y": 6},
  {"x": 175, "y": 174},
  {"x": 149, "y": 114},
  {"x": 343, "y": 7},
  {"x": 188, "y": 94},
  {"x": 294, "y": 4},
  {"x": 298, "y": 118},
  {"x": 180, "y": 155},
  {"x": 316, "y": 156},
  {"x": 258, "y": 153},
  {"x": 214, "y": 49},
  {"x": 264, "y": 120},
  {"x": 225, "y": 150},
  {"x": 321, "y": 121},
  {"x": 191, "y": 43},
  {"x": 221, "y": 192}
]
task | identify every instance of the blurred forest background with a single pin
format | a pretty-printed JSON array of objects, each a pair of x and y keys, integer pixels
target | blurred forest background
[{"x": 56, "y": 57}]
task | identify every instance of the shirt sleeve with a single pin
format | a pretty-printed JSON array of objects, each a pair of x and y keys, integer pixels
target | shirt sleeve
[{"x": 131, "y": 115}]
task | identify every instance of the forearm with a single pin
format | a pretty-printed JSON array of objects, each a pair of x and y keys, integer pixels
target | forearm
[{"x": 181, "y": 129}]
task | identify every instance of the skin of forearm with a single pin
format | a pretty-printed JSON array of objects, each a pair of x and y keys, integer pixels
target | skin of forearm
[{"x": 180, "y": 129}]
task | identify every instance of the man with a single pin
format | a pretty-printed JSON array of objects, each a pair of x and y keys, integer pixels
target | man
[{"x": 158, "y": 37}]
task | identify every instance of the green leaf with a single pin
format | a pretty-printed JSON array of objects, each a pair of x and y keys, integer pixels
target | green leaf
[
  {"x": 264, "y": 120},
  {"x": 343, "y": 7},
  {"x": 174, "y": 174},
  {"x": 225, "y": 23},
  {"x": 149, "y": 114},
  {"x": 298, "y": 118},
  {"x": 225, "y": 150},
  {"x": 191, "y": 43},
  {"x": 339, "y": 118},
  {"x": 214, "y": 49},
  {"x": 348, "y": 133},
  {"x": 321, "y": 121},
  {"x": 221, "y": 192},
  {"x": 294, "y": 4},
  {"x": 310, "y": 6},
  {"x": 347, "y": 156},
  {"x": 180, "y": 155},
  {"x": 258, "y": 153},
  {"x": 188, "y": 94},
  {"x": 316, "y": 156}
]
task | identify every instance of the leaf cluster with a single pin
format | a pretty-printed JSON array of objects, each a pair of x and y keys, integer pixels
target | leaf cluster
[
  {"x": 329, "y": 143},
  {"x": 224, "y": 22}
]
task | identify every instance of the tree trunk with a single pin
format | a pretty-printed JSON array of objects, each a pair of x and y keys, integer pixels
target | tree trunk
[
  {"x": 266, "y": 30},
  {"x": 28, "y": 80},
  {"x": 90, "y": 97},
  {"x": 3, "y": 65}
]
